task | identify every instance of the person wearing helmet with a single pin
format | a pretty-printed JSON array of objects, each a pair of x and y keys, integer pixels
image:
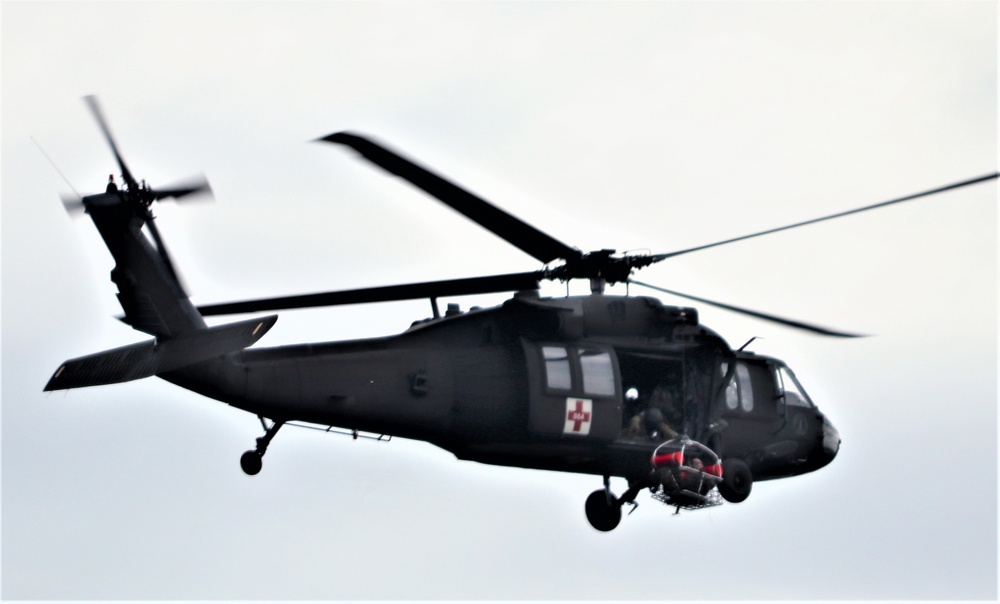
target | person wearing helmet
[{"x": 651, "y": 423}]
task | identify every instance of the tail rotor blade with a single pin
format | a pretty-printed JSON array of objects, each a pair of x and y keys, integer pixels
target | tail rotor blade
[
  {"x": 73, "y": 204},
  {"x": 196, "y": 187},
  {"x": 95, "y": 109}
]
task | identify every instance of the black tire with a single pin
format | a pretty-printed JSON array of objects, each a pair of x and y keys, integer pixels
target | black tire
[
  {"x": 602, "y": 515},
  {"x": 737, "y": 480},
  {"x": 251, "y": 463}
]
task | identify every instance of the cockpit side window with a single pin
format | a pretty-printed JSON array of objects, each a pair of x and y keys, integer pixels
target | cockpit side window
[
  {"x": 739, "y": 390},
  {"x": 746, "y": 387},
  {"x": 557, "y": 373},
  {"x": 732, "y": 390}
]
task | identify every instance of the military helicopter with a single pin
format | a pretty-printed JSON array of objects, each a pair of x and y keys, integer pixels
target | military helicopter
[{"x": 606, "y": 385}]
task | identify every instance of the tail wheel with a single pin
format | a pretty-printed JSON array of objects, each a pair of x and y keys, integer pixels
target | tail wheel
[
  {"x": 603, "y": 511},
  {"x": 737, "y": 480},
  {"x": 253, "y": 460}
]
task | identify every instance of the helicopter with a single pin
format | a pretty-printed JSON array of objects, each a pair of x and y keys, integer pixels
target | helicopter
[{"x": 603, "y": 385}]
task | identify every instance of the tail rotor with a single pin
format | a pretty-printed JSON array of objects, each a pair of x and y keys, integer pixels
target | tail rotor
[{"x": 135, "y": 194}]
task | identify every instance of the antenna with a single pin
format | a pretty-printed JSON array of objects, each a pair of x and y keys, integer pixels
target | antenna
[{"x": 58, "y": 171}]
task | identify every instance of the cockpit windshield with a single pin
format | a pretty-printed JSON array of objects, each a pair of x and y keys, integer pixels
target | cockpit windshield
[{"x": 793, "y": 391}]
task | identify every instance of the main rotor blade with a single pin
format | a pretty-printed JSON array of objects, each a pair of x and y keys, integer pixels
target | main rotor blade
[
  {"x": 956, "y": 185},
  {"x": 198, "y": 186},
  {"x": 753, "y": 313},
  {"x": 95, "y": 109},
  {"x": 429, "y": 289},
  {"x": 515, "y": 231}
]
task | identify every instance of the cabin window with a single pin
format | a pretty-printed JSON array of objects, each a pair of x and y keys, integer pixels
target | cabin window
[
  {"x": 793, "y": 392},
  {"x": 598, "y": 372},
  {"x": 557, "y": 374},
  {"x": 746, "y": 387}
]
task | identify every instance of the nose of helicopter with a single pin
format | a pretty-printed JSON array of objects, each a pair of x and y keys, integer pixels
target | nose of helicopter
[{"x": 830, "y": 444}]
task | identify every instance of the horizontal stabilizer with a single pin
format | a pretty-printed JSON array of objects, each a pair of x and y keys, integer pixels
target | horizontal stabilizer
[{"x": 154, "y": 357}]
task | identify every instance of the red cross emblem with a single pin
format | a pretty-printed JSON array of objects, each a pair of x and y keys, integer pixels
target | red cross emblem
[{"x": 579, "y": 412}]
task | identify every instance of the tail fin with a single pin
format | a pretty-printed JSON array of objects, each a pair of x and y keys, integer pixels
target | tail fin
[
  {"x": 148, "y": 289},
  {"x": 155, "y": 303},
  {"x": 154, "y": 357}
]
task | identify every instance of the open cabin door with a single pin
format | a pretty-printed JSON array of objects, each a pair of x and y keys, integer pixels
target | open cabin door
[
  {"x": 672, "y": 380},
  {"x": 575, "y": 391}
]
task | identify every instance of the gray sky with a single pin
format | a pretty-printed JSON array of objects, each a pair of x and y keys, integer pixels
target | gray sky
[{"x": 629, "y": 125}]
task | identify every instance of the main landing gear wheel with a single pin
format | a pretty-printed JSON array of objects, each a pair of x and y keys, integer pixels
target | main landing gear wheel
[
  {"x": 737, "y": 480},
  {"x": 253, "y": 460},
  {"x": 603, "y": 510}
]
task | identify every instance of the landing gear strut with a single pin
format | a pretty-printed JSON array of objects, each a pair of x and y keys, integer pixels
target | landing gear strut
[{"x": 252, "y": 460}]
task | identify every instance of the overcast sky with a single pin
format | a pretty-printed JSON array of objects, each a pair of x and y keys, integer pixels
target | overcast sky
[{"x": 626, "y": 125}]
